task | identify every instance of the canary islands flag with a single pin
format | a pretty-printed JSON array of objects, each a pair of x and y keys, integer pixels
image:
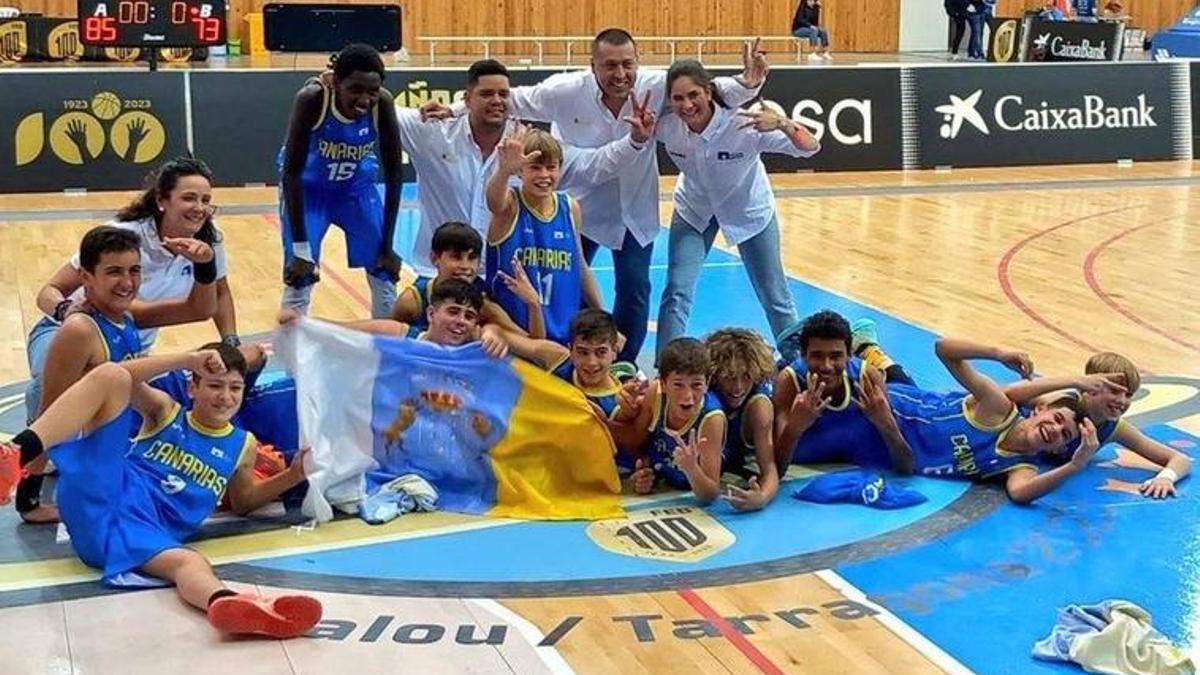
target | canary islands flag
[{"x": 494, "y": 436}]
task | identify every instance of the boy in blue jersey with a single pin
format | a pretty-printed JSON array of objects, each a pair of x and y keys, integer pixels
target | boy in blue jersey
[
  {"x": 456, "y": 248},
  {"x": 817, "y": 418},
  {"x": 981, "y": 434},
  {"x": 677, "y": 426},
  {"x": 337, "y": 138},
  {"x": 1106, "y": 408},
  {"x": 740, "y": 375},
  {"x": 130, "y": 505},
  {"x": 98, "y": 331},
  {"x": 537, "y": 226}
]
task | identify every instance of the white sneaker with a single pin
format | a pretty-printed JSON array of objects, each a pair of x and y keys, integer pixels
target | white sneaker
[
  {"x": 827, "y": 56},
  {"x": 814, "y": 57}
]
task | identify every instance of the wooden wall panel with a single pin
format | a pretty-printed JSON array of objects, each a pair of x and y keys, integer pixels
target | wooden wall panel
[
  {"x": 1150, "y": 15},
  {"x": 854, "y": 25}
]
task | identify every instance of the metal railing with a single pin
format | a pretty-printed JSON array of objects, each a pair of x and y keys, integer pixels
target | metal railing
[{"x": 542, "y": 40}]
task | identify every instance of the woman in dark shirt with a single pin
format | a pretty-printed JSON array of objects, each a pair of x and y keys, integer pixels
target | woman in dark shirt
[{"x": 807, "y": 24}]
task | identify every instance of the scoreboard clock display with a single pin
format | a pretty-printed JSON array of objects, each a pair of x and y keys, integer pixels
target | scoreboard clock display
[{"x": 152, "y": 23}]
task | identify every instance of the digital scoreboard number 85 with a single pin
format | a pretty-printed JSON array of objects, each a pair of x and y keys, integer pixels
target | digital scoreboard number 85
[{"x": 152, "y": 23}]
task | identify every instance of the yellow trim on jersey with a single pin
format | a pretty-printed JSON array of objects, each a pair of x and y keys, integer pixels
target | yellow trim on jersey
[
  {"x": 512, "y": 226},
  {"x": 225, "y": 430},
  {"x": 1116, "y": 429},
  {"x": 250, "y": 447},
  {"x": 570, "y": 213},
  {"x": 1011, "y": 417},
  {"x": 145, "y": 432},
  {"x": 845, "y": 388},
  {"x": 749, "y": 442},
  {"x": 1001, "y": 472},
  {"x": 846, "y": 394},
  {"x": 551, "y": 367},
  {"x": 612, "y": 388},
  {"x": 337, "y": 115},
  {"x": 415, "y": 294},
  {"x": 534, "y": 212},
  {"x": 99, "y": 334},
  {"x": 795, "y": 378},
  {"x": 326, "y": 95}
]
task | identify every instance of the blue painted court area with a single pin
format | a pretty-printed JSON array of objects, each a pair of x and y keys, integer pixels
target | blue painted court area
[
  {"x": 547, "y": 551},
  {"x": 987, "y": 592},
  {"x": 984, "y": 593}
]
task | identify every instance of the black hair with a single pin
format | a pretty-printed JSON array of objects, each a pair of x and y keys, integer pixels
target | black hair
[
  {"x": 483, "y": 68},
  {"x": 699, "y": 74},
  {"x": 612, "y": 36},
  {"x": 594, "y": 325},
  {"x": 105, "y": 239},
  {"x": 357, "y": 57},
  {"x": 457, "y": 291},
  {"x": 159, "y": 184},
  {"x": 232, "y": 357},
  {"x": 686, "y": 356},
  {"x": 458, "y": 238},
  {"x": 826, "y": 324}
]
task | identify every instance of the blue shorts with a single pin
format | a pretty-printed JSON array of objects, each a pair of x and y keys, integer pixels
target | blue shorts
[
  {"x": 37, "y": 347},
  {"x": 846, "y": 441},
  {"x": 359, "y": 214},
  {"x": 108, "y": 510}
]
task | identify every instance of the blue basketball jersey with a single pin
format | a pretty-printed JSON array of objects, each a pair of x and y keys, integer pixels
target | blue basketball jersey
[
  {"x": 341, "y": 152},
  {"x": 662, "y": 442},
  {"x": 842, "y": 433},
  {"x": 423, "y": 288},
  {"x": 605, "y": 397},
  {"x": 546, "y": 248},
  {"x": 739, "y": 439},
  {"x": 187, "y": 468},
  {"x": 121, "y": 340},
  {"x": 945, "y": 437}
]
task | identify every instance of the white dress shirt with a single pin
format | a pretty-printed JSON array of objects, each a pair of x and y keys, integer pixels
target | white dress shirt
[
  {"x": 165, "y": 276},
  {"x": 453, "y": 173},
  {"x": 721, "y": 173},
  {"x": 572, "y": 102}
]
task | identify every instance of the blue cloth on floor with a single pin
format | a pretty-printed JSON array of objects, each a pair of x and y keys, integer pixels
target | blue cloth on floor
[
  {"x": 397, "y": 497},
  {"x": 858, "y": 487}
]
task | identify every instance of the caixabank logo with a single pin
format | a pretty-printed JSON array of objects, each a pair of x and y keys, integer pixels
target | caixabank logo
[{"x": 86, "y": 128}]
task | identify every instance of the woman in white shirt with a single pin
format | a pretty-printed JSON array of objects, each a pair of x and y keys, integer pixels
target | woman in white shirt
[
  {"x": 723, "y": 186},
  {"x": 182, "y": 258}
]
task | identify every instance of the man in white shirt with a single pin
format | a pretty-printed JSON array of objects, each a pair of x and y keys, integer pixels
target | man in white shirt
[
  {"x": 588, "y": 110},
  {"x": 454, "y": 157}
]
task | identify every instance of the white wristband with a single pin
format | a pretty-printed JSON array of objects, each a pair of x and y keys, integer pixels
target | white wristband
[
  {"x": 1168, "y": 474},
  {"x": 302, "y": 251}
]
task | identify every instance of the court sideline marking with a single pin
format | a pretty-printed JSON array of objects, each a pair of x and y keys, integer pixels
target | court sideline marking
[{"x": 28, "y": 215}]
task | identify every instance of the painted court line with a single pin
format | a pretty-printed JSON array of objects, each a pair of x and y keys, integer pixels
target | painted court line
[
  {"x": 922, "y": 644},
  {"x": 1089, "y": 275},
  {"x": 554, "y": 661},
  {"x": 733, "y": 635}
]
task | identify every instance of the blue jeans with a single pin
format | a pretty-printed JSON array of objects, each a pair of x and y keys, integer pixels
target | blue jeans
[
  {"x": 631, "y": 307},
  {"x": 816, "y": 35},
  {"x": 37, "y": 346},
  {"x": 685, "y": 259},
  {"x": 976, "y": 20}
]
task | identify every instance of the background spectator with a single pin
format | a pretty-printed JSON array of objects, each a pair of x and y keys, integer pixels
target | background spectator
[
  {"x": 807, "y": 24},
  {"x": 957, "y": 11}
]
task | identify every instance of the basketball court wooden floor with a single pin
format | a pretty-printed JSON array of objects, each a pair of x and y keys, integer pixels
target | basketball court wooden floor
[{"x": 1060, "y": 261}]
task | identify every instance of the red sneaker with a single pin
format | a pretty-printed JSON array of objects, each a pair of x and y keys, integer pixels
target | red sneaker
[
  {"x": 286, "y": 616},
  {"x": 11, "y": 472}
]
